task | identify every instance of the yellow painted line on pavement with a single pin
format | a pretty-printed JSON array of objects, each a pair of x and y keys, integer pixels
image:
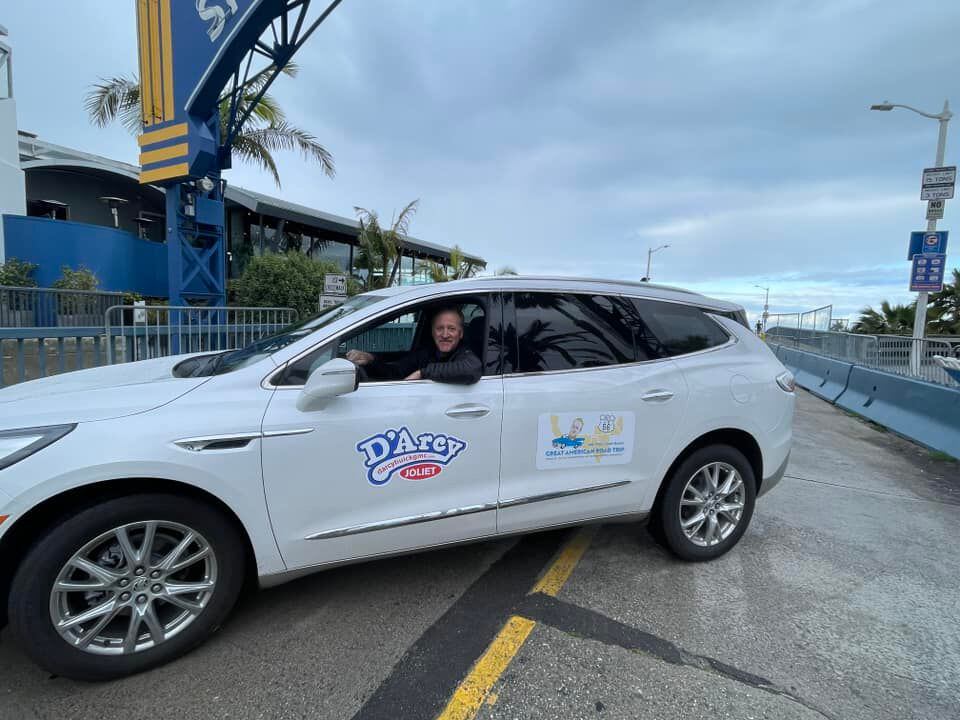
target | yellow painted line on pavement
[
  {"x": 561, "y": 569},
  {"x": 475, "y": 689},
  {"x": 469, "y": 696}
]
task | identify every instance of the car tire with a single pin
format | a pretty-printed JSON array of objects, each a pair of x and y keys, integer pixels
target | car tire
[
  {"x": 700, "y": 518},
  {"x": 153, "y": 612}
]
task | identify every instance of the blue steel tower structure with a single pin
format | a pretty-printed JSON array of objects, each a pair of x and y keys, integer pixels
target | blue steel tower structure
[{"x": 204, "y": 65}]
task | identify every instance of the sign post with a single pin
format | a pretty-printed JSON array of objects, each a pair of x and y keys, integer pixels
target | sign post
[
  {"x": 937, "y": 184},
  {"x": 927, "y": 242},
  {"x": 334, "y": 290},
  {"x": 935, "y": 209},
  {"x": 927, "y": 273}
]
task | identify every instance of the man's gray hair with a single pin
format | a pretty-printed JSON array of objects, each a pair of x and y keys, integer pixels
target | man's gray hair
[{"x": 455, "y": 309}]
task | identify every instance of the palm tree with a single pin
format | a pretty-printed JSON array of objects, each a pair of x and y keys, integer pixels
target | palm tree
[
  {"x": 459, "y": 267},
  {"x": 379, "y": 247},
  {"x": 506, "y": 270},
  {"x": 266, "y": 130},
  {"x": 891, "y": 320},
  {"x": 945, "y": 306}
]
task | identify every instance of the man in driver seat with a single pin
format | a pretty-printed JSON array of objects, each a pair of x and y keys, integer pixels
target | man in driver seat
[{"x": 449, "y": 361}]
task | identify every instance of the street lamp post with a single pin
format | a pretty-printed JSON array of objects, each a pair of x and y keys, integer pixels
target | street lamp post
[
  {"x": 766, "y": 305},
  {"x": 920, "y": 318},
  {"x": 650, "y": 252}
]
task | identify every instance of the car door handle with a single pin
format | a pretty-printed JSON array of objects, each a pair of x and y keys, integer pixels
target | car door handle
[
  {"x": 657, "y": 396},
  {"x": 463, "y": 412}
]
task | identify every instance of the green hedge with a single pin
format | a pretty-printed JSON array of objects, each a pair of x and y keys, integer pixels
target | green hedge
[{"x": 282, "y": 280}]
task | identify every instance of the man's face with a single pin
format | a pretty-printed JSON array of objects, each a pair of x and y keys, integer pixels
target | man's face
[{"x": 447, "y": 331}]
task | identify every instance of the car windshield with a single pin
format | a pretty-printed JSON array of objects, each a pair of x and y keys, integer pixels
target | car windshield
[{"x": 235, "y": 359}]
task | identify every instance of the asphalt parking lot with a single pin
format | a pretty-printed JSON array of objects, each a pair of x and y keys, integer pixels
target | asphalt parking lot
[{"x": 842, "y": 601}]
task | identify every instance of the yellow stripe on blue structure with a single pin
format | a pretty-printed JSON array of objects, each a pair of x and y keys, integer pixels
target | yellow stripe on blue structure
[{"x": 143, "y": 33}]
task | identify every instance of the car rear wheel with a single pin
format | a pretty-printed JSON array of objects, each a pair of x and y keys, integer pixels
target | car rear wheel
[
  {"x": 708, "y": 503},
  {"x": 126, "y": 585}
]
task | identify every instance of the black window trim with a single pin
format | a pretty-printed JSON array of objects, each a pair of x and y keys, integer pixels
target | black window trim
[
  {"x": 709, "y": 312},
  {"x": 267, "y": 382}
]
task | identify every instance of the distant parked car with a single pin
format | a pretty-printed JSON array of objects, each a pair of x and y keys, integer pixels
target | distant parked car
[{"x": 135, "y": 499}]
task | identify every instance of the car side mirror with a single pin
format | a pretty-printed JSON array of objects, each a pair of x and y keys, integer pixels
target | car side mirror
[{"x": 333, "y": 378}]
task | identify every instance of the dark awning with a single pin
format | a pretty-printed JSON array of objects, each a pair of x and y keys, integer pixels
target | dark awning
[{"x": 348, "y": 228}]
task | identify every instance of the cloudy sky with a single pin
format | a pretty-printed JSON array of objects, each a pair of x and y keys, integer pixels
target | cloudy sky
[{"x": 568, "y": 137}]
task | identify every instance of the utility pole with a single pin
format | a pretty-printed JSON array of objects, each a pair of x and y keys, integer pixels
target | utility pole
[
  {"x": 766, "y": 305},
  {"x": 920, "y": 317},
  {"x": 650, "y": 252}
]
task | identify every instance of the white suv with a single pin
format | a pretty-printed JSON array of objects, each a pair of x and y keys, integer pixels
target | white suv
[{"x": 134, "y": 499}]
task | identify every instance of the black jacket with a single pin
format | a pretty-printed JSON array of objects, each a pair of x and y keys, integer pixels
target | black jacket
[{"x": 461, "y": 366}]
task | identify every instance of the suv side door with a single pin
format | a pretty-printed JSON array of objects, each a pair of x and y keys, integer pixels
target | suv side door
[
  {"x": 590, "y": 409},
  {"x": 393, "y": 466}
]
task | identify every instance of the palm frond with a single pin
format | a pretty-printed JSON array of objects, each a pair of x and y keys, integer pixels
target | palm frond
[
  {"x": 113, "y": 98},
  {"x": 267, "y": 109},
  {"x": 284, "y": 136},
  {"x": 252, "y": 150},
  {"x": 402, "y": 224}
]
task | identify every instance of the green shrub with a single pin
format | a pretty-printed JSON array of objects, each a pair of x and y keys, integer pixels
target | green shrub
[
  {"x": 80, "y": 279},
  {"x": 18, "y": 273},
  {"x": 283, "y": 280}
]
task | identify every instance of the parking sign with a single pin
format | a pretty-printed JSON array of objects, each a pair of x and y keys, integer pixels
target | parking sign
[
  {"x": 927, "y": 242},
  {"x": 927, "y": 272}
]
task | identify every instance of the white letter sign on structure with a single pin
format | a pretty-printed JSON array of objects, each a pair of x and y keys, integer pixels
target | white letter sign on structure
[
  {"x": 938, "y": 183},
  {"x": 935, "y": 209},
  {"x": 334, "y": 284}
]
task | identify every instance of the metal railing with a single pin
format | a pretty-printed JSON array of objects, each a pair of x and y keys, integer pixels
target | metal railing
[
  {"x": 22, "y": 307},
  {"x": 31, "y": 353},
  {"x": 141, "y": 332},
  {"x": 126, "y": 333},
  {"x": 890, "y": 353}
]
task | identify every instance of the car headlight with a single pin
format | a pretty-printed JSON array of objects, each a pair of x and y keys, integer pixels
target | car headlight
[{"x": 15, "y": 445}]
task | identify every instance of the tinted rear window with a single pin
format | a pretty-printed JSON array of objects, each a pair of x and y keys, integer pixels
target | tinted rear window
[
  {"x": 680, "y": 329},
  {"x": 564, "y": 332}
]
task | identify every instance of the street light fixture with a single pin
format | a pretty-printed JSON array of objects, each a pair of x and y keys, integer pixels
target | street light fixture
[
  {"x": 920, "y": 318},
  {"x": 766, "y": 305},
  {"x": 650, "y": 252}
]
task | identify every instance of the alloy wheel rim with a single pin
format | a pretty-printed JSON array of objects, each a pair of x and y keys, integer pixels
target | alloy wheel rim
[
  {"x": 711, "y": 504},
  {"x": 133, "y": 588}
]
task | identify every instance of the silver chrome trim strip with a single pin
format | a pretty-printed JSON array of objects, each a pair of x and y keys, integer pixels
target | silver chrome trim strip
[
  {"x": 293, "y": 431},
  {"x": 560, "y": 493},
  {"x": 455, "y": 512},
  {"x": 196, "y": 444},
  {"x": 400, "y": 522}
]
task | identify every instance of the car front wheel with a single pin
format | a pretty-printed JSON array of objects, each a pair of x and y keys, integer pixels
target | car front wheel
[
  {"x": 125, "y": 585},
  {"x": 708, "y": 503}
]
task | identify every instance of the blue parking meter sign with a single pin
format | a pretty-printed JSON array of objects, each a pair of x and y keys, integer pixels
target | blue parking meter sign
[
  {"x": 927, "y": 242},
  {"x": 927, "y": 272}
]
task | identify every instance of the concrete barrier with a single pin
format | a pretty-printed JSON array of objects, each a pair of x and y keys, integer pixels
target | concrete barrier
[
  {"x": 823, "y": 376},
  {"x": 922, "y": 411}
]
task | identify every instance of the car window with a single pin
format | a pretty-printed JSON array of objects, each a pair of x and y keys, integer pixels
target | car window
[
  {"x": 394, "y": 337},
  {"x": 680, "y": 329},
  {"x": 224, "y": 362},
  {"x": 566, "y": 331}
]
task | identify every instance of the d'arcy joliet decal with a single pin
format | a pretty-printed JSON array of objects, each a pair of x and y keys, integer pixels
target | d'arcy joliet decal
[
  {"x": 412, "y": 457},
  {"x": 584, "y": 438}
]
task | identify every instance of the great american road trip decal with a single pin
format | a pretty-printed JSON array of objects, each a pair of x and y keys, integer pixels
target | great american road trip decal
[
  {"x": 400, "y": 452},
  {"x": 575, "y": 439}
]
